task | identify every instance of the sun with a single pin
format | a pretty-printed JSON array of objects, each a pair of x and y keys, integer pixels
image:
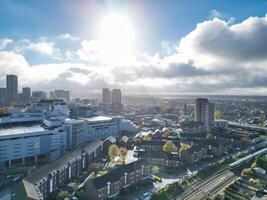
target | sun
[{"x": 117, "y": 35}]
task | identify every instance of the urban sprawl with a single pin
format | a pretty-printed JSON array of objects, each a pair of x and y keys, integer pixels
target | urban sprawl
[{"x": 115, "y": 146}]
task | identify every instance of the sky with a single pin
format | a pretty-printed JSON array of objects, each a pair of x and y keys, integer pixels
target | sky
[{"x": 148, "y": 47}]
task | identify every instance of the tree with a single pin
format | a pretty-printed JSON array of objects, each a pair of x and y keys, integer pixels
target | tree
[
  {"x": 62, "y": 195},
  {"x": 184, "y": 147},
  {"x": 123, "y": 152},
  {"x": 147, "y": 137},
  {"x": 155, "y": 169},
  {"x": 113, "y": 151},
  {"x": 218, "y": 115},
  {"x": 169, "y": 147}
]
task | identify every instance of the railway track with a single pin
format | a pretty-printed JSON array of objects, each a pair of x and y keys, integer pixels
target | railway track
[{"x": 201, "y": 190}]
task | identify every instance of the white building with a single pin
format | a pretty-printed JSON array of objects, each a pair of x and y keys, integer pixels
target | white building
[{"x": 27, "y": 144}]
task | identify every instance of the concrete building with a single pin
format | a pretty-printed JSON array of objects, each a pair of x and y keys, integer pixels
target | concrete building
[
  {"x": 106, "y": 96},
  {"x": 20, "y": 145},
  {"x": 75, "y": 130},
  {"x": 12, "y": 88},
  {"x": 100, "y": 127},
  {"x": 204, "y": 112},
  {"x": 60, "y": 94},
  {"x": 3, "y": 96},
  {"x": 26, "y": 93},
  {"x": 116, "y": 97}
]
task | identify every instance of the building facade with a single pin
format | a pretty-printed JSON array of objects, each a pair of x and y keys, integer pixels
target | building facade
[
  {"x": 26, "y": 93},
  {"x": 12, "y": 88},
  {"x": 20, "y": 145},
  {"x": 111, "y": 184},
  {"x": 100, "y": 127},
  {"x": 204, "y": 112},
  {"x": 106, "y": 96}
]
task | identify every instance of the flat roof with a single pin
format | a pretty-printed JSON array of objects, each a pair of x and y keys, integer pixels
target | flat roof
[
  {"x": 98, "y": 119},
  {"x": 17, "y": 130}
]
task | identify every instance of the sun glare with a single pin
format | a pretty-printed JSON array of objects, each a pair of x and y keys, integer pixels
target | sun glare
[{"x": 117, "y": 35}]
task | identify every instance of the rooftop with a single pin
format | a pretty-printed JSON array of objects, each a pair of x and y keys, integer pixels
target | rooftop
[
  {"x": 15, "y": 130},
  {"x": 98, "y": 119}
]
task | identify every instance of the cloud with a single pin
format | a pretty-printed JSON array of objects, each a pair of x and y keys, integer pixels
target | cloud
[
  {"x": 67, "y": 36},
  {"x": 46, "y": 48},
  {"x": 5, "y": 42},
  {"x": 215, "y": 57},
  {"x": 243, "y": 42},
  {"x": 12, "y": 63}
]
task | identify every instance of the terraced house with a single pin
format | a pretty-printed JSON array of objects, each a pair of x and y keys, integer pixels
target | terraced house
[{"x": 111, "y": 184}]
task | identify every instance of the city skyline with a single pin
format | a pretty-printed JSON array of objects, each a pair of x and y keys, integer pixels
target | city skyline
[{"x": 176, "y": 47}]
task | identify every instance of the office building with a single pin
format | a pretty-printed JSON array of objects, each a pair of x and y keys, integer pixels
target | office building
[
  {"x": 204, "y": 112},
  {"x": 60, "y": 94},
  {"x": 26, "y": 93},
  {"x": 106, "y": 96},
  {"x": 3, "y": 96},
  {"x": 12, "y": 88},
  {"x": 116, "y": 97}
]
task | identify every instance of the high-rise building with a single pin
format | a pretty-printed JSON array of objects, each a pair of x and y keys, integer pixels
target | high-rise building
[
  {"x": 60, "y": 94},
  {"x": 3, "y": 96},
  {"x": 116, "y": 97},
  {"x": 12, "y": 88},
  {"x": 204, "y": 112},
  {"x": 26, "y": 93},
  {"x": 106, "y": 96}
]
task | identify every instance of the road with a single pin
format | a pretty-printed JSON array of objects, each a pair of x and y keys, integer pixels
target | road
[{"x": 205, "y": 188}]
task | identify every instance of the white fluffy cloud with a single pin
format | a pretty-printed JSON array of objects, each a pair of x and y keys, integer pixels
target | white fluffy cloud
[
  {"x": 4, "y": 42},
  {"x": 216, "y": 57},
  {"x": 67, "y": 36},
  {"x": 42, "y": 47}
]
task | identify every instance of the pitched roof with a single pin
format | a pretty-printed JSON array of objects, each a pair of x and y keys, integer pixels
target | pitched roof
[{"x": 116, "y": 174}]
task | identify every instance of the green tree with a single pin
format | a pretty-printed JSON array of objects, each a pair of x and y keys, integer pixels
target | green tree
[
  {"x": 218, "y": 115},
  {"x": 62, "y": 195},
  {"x": 147, "y": 137},
  {"x": 123, "y": 152},
  {"x": 184, "y": 147},
  {"x": 169, "y": 147},
  {"x": 113, "y": 151},
  {"x": 155, "y": 169}
]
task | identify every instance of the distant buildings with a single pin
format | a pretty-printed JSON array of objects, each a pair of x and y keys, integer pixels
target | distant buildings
[
  {"x": 3, "y": 96},
  {"x": 106, "y": 96},
  {"x": 204, "y": 112},
  {"x": 111, "y": 100},
  {"x": 116, "y": 97},
  {"x": 38, "y": 95},
  {"x": 26, "y": 93},
  {"x": 60, "y": 94},
  {"x": 12, "y": 88}
]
